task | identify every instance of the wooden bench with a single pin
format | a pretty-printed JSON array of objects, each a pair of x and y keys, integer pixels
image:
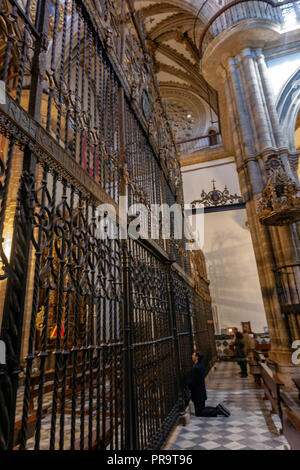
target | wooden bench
[
  {"x": 259, "y": 357},
  {"x": 64, "y": 403},
  {"x": 30, "y": 431},
  {"x": 291, "y": 421},
  {"x": 255, "y": 368},
  {"x": 271, "y": 385},
  {"x": 263, "y": 348},
  {"x": 283, "y": 404},
  {"x": 297, "y": 383},
  {"x": 95, "y": 441}
]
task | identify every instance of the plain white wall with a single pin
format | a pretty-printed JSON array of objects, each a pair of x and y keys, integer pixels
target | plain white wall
[{"x": 228, "y": 249}]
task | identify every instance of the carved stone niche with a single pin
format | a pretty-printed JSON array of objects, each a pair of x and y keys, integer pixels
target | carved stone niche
[{"x": 279, "y": 203}]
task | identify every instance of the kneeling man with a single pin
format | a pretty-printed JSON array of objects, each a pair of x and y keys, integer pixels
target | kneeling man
[{"x": 198, "y": 390}]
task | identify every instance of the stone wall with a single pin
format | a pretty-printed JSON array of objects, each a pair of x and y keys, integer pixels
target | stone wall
[{"x": 234, "y": 283}]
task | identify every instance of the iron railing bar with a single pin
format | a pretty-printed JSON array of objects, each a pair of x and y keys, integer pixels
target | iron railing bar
[
  {"x": 26, "y": 19},
  {"x": 186, "y": 141},
  {"x": 156, "y": 341}
]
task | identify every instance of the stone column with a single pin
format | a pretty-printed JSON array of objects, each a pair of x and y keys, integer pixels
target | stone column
[
  {"x": 270, "y": 99},
  {"x": 258, "y": 111},
  {"x": 257, "y": 141}
]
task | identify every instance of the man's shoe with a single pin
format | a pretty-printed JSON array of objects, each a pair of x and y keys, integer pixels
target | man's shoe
[
  {"x": 223, "y": 410},
  {"x": 220, "y": 411}
]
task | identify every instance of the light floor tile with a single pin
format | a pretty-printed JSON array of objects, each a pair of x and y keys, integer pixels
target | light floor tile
[{"x": 250, "y": 426}]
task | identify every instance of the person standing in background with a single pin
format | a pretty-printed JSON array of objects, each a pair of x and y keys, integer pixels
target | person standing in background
[
  {"x": 241, "y": 353},
  {"x": 249, "y": 344}
]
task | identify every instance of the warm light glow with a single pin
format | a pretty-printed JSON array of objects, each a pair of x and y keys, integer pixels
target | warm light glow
[
  {"x": 7, "y": 250},
  {"x": 7, "y": 247}
]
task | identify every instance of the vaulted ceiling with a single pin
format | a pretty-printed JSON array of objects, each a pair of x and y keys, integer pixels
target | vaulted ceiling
[{"x": 173, "y": 29}]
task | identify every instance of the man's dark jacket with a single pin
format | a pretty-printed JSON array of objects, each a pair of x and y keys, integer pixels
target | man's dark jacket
[{"x": 197, "y": 383}]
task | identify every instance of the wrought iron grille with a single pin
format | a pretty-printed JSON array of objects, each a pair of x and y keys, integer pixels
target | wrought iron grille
[
  {"x": 182, "y": 323},
  {"x": 144, "y": 173},
  {"x": 287, "y": 279},
  {"x": 79, "y": 99},
  {"x": 72, "y": 393},
  {"x": 98, "y": 330},
  {"x": 203, "y": 329},
  {"x": 154, "y": 371},
  {"x": 142, "y": 165},
  {"x": 174, "y": 245}
]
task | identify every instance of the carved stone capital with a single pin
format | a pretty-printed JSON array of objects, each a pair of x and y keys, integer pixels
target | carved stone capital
[{"x": 279, "y": 203}]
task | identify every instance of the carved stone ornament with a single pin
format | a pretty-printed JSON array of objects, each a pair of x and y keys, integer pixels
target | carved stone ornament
[
  {"x": 279, "y": 203},
  {"x": 163, "y": 154},
  {"x": 109, "y": 38},
  {"x": 152, "y": 131},
  {"x": 146, "y": 105},
  {"x": 134, "y": 92},
  {"x": 147, "y": 61}
]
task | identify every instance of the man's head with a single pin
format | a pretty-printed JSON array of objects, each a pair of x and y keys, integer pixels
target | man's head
[{"x": 197, "y": 357}]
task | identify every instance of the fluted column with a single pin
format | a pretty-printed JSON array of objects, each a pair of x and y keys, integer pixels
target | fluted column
[
  {"x": 234, "y": 64},
  {"x": 237, "y": 102},
  {"x": 263, "y": 130},
  {"x": 257, "y": 137},
  {"x": 270, "y": 99}
]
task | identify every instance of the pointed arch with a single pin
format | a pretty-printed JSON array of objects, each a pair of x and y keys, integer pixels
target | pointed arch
[{"x": 288, "y": 106}]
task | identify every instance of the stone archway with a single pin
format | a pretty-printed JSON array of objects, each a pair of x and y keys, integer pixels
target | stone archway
[
  {"x": 288, "y": 108},
  {"x": 297, "y": 132}
]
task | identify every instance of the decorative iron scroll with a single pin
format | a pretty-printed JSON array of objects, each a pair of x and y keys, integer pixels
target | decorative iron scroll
[{"x": 215, "y": 198}]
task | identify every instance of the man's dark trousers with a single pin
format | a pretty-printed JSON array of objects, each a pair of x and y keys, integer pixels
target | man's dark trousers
[{"x": 205, "y": 411}]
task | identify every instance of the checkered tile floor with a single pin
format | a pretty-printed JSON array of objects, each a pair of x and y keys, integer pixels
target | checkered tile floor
[{"x": 250, "y": 426}]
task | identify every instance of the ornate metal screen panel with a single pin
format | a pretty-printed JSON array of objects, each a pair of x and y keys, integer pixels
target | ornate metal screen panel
[
  {"x": 79, "y": 101},
  {"x": 142, "y": 165},
  {"x": 154, "y": 371},
  {"x": 72, "y": 391},
  {"x": 203, "y": 329},
  {"x": 20, "y": 35},
  {"x": 174, "y": 246},
  {"x": 144, "y": 172},
  {"x": 200, "y": 327},
  {"x": 94, "y": 332},
  {"x": 182, "y": 319},
  {"x": 211, "y": 333}
]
